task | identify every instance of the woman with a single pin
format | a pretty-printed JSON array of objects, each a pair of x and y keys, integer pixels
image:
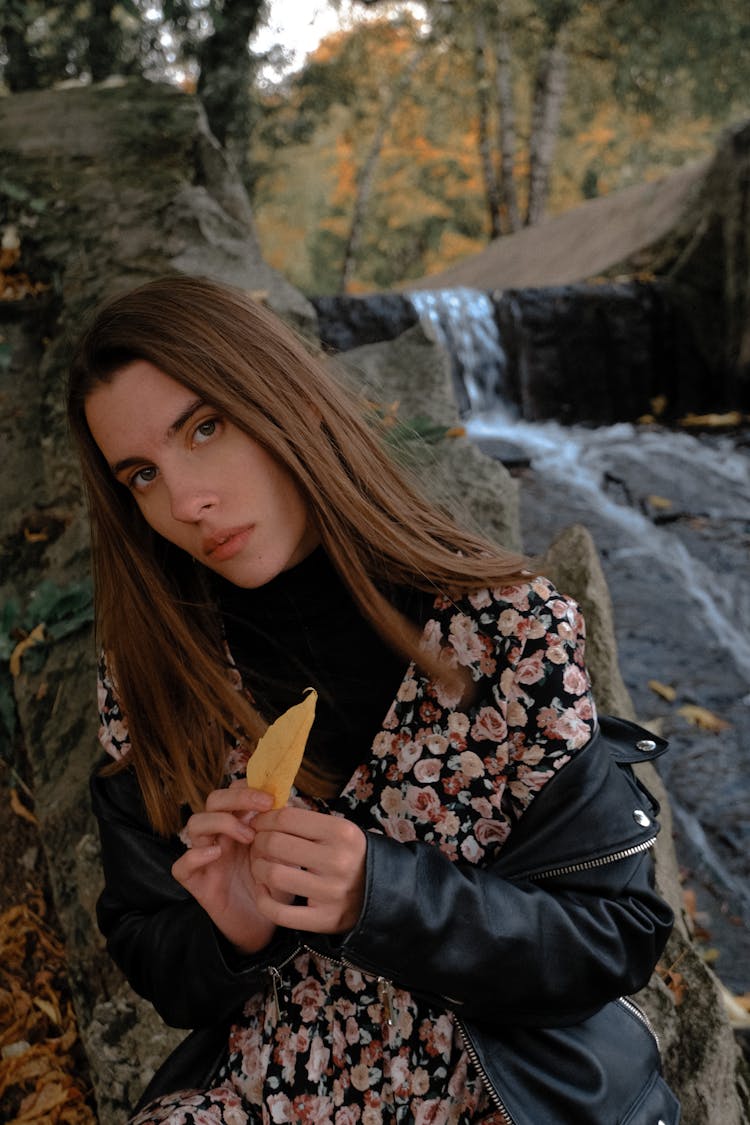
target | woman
[{"x": 437, "y": 926}]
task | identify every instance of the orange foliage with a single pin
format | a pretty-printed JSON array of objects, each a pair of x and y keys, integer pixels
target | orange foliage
[{"x": 39, "y": 1037}]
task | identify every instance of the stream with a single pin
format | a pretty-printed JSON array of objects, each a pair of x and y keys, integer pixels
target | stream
[{"x": 669, "y": 512}]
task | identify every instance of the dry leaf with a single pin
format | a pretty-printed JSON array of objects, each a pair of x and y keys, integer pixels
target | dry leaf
[
  {"x": 36, "y": 636},
  {"x": 674, "y": 981},
  {"x": 278, "y": 755},
  {"x": 20, "y": 809},
  {"x": 703, "y": 718},
  {"x": 35, "y": 536},
  {"x": 736, "y": 1007},
  {"x": 713, "y": 421},
  {"x": 664, "y": 690},
  {"x": 456, "y": 431},
  {"x": 50, "y": 1010},
  {"x": 659, "y": 502}
]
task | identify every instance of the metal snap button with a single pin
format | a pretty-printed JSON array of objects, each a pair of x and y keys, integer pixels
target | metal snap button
[
  {"x": 645, "y": 744},
  {"x": 640, "y": 817}
]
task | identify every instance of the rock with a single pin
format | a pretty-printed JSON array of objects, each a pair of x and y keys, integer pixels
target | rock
[
  {"x": 107, "y": 188},
  {"x": 599, "y": 353},
  {"x": 415, "y": 372},
  {"x": 348, "y": 322},
  {"x": 572, "y": 562}
]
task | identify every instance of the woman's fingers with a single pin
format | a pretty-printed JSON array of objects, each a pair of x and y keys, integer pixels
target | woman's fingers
[
  {"x": 194, "y": 861},
  {"x": 311, "y": 856},
  {"x": 203, "y": 828},
  {"x": 237, "y": 798}
]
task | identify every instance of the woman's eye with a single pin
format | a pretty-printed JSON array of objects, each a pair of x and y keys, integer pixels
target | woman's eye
[
  {"x": 205, "y": 429},
  {"x": 142, "y": 477}
]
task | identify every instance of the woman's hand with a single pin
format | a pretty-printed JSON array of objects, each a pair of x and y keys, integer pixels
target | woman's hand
[
  {"x": 216, "y": 869},
  {"x": 309, "y": 855}
]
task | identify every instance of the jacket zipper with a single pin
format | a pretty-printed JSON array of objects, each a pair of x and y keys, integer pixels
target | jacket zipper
[
  {"x": 471, "y": 1051},
  {"x": 639, "y": 1014},
  {"x": 274, "y": 972},
  {"x": 589, "y": 864},
  {"x": 384, "y": 985},
  {"x": 584, "y": 865}
]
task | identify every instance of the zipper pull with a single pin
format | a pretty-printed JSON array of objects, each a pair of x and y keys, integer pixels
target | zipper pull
[
  {"x": 275, "y": 982},
  {"x": 385, "y": 995}
]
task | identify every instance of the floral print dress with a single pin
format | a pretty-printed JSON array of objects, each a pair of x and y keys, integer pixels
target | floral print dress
[{"x": 326, "y": 1042}]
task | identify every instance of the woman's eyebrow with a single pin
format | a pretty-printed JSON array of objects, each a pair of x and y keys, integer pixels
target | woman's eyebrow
[
  {"x": 185, "y": 416},
  {"x": 180, "y": 421}
]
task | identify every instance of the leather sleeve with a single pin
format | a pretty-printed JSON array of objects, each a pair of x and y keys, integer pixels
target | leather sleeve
[
  {"x": 514, "y": 943},
  {"x": 162, "y": 939}
]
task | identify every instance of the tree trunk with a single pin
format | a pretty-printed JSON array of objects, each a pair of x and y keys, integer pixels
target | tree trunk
[
  {"x": 506, "y": 129},
  {"x": 549, "y": 95},
  {"x": 104, "y": 40},
  {"x": 226, "y": 77},
  {"x": 20, "y": 72},
  {"x": 366, "y": 177},
  {"x": 491, "y": 190}
]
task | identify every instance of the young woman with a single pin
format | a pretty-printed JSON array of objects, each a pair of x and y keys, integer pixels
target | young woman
[{"x": 438, "y": 925}]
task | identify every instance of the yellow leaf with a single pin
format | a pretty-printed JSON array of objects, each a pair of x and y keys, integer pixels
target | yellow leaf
[
  {"x": 713, "y": 421},
  {"x": 35, "y": 637},
  {"x": 663, "y": 690},
  {"x": 278, "y": 755},
  {"x": 49, "y": 1009},
  {"x": 20, "y": 809},
  {"x": 659, "y": 502},
  {"x": 703, "y": 718}
]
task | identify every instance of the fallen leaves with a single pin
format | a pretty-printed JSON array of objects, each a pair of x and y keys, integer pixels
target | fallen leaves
[
  {"x": 15, "y": 285},
  {"x": 20, "y": 809},
  {"x": 713, "y": 421},
  {"x": 664, "y": 691},
  {"x": 703, "y": 718},
  {"x": 35, "y": 637},
  {"x": 694, "y": 714},
  {"x": 38, "y": 1036}
]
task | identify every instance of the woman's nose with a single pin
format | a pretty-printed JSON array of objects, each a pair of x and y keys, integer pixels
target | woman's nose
[{"x": 190, "y": 501}]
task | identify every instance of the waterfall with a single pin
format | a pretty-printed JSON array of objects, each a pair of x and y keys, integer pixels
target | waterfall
[{"x": 463, "y": 321}]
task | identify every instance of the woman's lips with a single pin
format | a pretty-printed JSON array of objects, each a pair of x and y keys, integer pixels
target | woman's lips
[{"x": 224, "y": 546}]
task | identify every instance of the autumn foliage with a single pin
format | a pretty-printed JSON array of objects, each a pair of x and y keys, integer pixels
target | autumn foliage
[{"x": 40, "y": 1065}]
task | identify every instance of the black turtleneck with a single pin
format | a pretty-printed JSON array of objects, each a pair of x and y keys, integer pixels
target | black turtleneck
[{"x": 301, "y": 630}]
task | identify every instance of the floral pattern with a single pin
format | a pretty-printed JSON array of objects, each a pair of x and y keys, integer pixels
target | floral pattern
[{"x": 326, "y": 1042}]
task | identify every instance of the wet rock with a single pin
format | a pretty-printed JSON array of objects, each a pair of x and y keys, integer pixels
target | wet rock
[{"x": 350, "y": 322}]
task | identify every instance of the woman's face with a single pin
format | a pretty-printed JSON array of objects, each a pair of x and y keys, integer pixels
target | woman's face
[{"x": 199, "y": 481}]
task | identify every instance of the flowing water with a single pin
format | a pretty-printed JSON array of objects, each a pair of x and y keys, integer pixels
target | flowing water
[{"x": 670, "y": 514}]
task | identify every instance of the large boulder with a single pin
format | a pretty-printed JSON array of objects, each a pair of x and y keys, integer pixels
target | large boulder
[{"x": 102, "y": 188}]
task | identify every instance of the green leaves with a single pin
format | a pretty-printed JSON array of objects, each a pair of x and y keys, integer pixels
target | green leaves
[{"x": 51, "y": 613}]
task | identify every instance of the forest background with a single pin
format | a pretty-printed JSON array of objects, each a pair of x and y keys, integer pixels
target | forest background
[{"x": 415, "y": 133}]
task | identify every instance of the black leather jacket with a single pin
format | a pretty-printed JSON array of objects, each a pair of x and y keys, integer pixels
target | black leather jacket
[{"x": 530, "y": 954}]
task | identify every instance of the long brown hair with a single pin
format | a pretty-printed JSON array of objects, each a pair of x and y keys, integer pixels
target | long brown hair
[{"x": 155, "y": 620}]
